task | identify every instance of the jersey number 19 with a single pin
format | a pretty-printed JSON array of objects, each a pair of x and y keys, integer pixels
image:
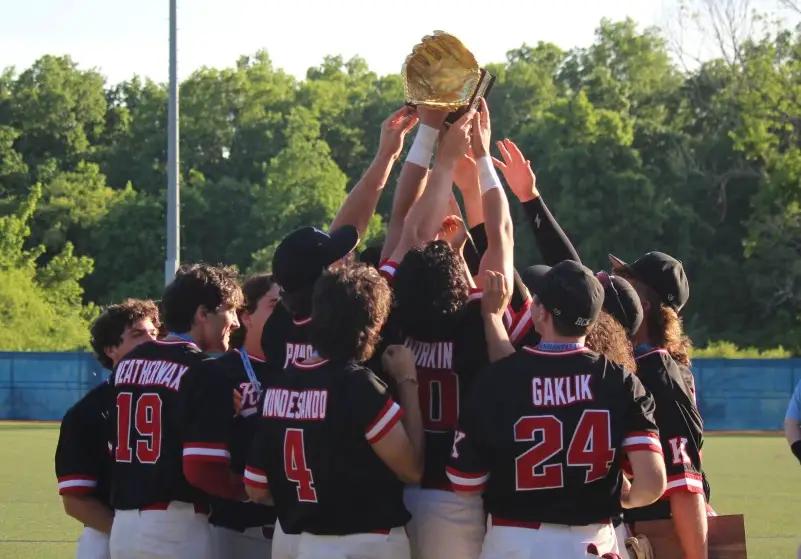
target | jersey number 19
[{"x": 147, "y": 422}]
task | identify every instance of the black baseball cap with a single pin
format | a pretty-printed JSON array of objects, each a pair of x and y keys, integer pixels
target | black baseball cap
[
  {"x": 568, "y": 290},
  {"x": 662, "y": 273},
  {"x": 304, "y": 254},
  {"x": 621, "y": 301}
]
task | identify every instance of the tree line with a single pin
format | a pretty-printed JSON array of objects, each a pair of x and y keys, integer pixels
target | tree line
[{"x": 632, "y": 153}]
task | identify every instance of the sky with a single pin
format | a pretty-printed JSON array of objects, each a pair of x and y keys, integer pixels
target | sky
[{"x": 122, "y": 40}]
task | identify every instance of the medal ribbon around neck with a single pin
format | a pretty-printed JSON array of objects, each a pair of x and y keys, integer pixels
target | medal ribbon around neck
[{"x": 254, "y": 382}]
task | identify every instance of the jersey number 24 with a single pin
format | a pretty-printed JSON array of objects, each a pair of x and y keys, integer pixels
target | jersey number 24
[{"x": 590, "y": 448}]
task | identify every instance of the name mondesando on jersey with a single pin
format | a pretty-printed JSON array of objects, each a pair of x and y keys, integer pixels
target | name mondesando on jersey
[
  {"x": 542, "y": 433},
  {"x": 170, "y": 402},
  {"x": 313, "y": 451}
]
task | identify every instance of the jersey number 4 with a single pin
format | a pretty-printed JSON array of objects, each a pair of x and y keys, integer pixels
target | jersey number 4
[
  {"x": 295, "y": 466},
  {"x": 590, "y": 447},
  {"x": 146, "y": 420}
]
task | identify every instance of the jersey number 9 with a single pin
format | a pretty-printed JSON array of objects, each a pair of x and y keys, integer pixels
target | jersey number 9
[
  {"x": 146, "y": 420},
  {"x": 590, "y": 447}
]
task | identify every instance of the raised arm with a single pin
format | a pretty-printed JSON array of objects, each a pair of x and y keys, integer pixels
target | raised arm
[
  {"x": 497, "y": 219},
  {"x": 426, "y": 215},
  {"x": 361, "y": 202},
  {"x": 551, "y": 240},
  {"x": 413, "y": 175}
]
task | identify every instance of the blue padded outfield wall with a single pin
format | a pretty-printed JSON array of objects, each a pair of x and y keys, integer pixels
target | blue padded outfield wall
[{"x": 733, "y": 394}]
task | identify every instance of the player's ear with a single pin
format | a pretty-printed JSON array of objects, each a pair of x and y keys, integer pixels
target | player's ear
[
  {"x": 111, "y": 352},
  {"x": 201, "y": 314},
  {"x": 245, "y": 319}
]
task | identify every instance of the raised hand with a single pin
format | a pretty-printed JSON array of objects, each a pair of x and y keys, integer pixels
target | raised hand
[
  {"x": 394, "y": 130},
  {"x": 517, "y": 171},
  {"x": 496, "y": 294},
  {"x": 434, "y": 118},
  {"x": 482, "y": 130},
  {"x": 399, "y": 361},
  {"x": 456, "y": 140},
  {"x": 453, "y": 232}
]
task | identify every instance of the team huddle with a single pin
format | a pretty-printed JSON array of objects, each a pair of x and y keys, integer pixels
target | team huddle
[{"x": 424, "y": 398}]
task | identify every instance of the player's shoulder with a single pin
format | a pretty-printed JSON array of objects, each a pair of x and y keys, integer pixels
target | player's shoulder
[
  {"x": 356, "y": 373},
  {"x": 656, "y": 368},
  {"x": 92, "y": 406}
]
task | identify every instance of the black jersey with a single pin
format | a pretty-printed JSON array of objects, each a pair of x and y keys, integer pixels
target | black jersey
[
  {"x": 313, "y": 447},
  {"x": 447, "y": 363},
  {"x": 681, "y": 429},
  {"x": 285, "y": 339},
  {"x": 231, "y": 514},
  {"x": 542, "y": 434},
  {"x": 83, "y": 461},
  {"x": 171, "y": 402}
]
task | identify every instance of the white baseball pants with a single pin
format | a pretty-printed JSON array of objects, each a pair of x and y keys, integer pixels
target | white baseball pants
[
  {"x": 394, "y": 545},
  {"x": 285, "y": 546},
  {"x": 549, "y": 541},
  {"x": 176, "y": 533},
  {"x": 92, "y": 544},
  {"x": 250, "y": 544},
  {"x": 444, "y": 525}
]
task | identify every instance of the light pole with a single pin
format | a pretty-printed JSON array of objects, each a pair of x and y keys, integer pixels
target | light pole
[{"x": 173, "y": 172}]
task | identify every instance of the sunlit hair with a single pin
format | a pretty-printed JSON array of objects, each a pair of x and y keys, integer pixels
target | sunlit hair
[
  {"x": 430, "y": 287},
  {"x": 107, "y": 329},
  {"x": 350, "y": 306},
  {"x": 608, "y": 337},
  {"x": 199, "y": 285},
  {"x": 664, "y": 325},
  {"x": 254, "y": 288}
]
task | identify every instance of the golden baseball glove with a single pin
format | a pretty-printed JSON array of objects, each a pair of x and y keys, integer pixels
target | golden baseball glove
[{"x": 440, "y": 73}]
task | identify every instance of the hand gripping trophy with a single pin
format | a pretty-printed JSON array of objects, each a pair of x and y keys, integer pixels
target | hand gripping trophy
[{"x": 441, "y": 73}]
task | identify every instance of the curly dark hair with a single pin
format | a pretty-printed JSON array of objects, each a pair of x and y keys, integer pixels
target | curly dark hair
[
  {"x": 430, "y": 287},
  {"x": 107, "y": 329},
  {"x": 198, "y": 285},
  {"x": 350, "y": 306},
  {"x": 253, "y": 289},
  {"x": 608, "y": 337}
]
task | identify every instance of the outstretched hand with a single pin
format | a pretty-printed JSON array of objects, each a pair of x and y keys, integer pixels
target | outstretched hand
[
  {"x": 517, "y": 171},
  {"x": 481, "y": 132},
  {"x": 394, "y": 130},
  {"x": 456, "y": 140}
]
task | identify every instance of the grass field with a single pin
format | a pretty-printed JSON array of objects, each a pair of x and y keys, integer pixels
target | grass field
[{"x": 754, "y": 475}]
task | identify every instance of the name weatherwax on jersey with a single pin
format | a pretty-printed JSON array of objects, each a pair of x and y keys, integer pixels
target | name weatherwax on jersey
[
  {"x": 170, "y": 402},
  {"x": 313, "y": 451},
  {"x": 231, "y": 514},
  {"x": 544, "y": 430}
]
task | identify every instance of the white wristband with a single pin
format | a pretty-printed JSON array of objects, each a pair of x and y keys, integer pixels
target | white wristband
[
  {"x": 487, "y": 175},
  {"x": 423, "y": 146}
]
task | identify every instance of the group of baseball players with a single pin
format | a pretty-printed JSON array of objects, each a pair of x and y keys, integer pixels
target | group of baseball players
[{"x": 422, "y": 398}]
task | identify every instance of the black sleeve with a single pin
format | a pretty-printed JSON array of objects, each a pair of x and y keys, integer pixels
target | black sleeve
[
  {"x": 639, "y": 426},
  {"x": 274, "y": 337},
  {"x": 551, "y": 239},
  {"x": 256, "y": 463},
  {"x": 475, "y": 247},
  {"x": 208, "y": 413},
  {"x": 468, "y": 467},
  {"x": 82, "y": 443},
  {"x": 682, "y": 456},
  {"x": 372, "y": 408}
]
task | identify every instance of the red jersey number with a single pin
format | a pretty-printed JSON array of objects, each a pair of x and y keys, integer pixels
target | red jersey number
[
  {"x": 590, "y": 447},
  {"x": 295, "y": 466},
  {"x": 439, "y": 399},
  {"x": 146, "y": 421}
]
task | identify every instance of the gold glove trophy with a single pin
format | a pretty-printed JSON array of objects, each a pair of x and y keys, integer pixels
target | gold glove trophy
[{"x": 442, "y": 74}]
